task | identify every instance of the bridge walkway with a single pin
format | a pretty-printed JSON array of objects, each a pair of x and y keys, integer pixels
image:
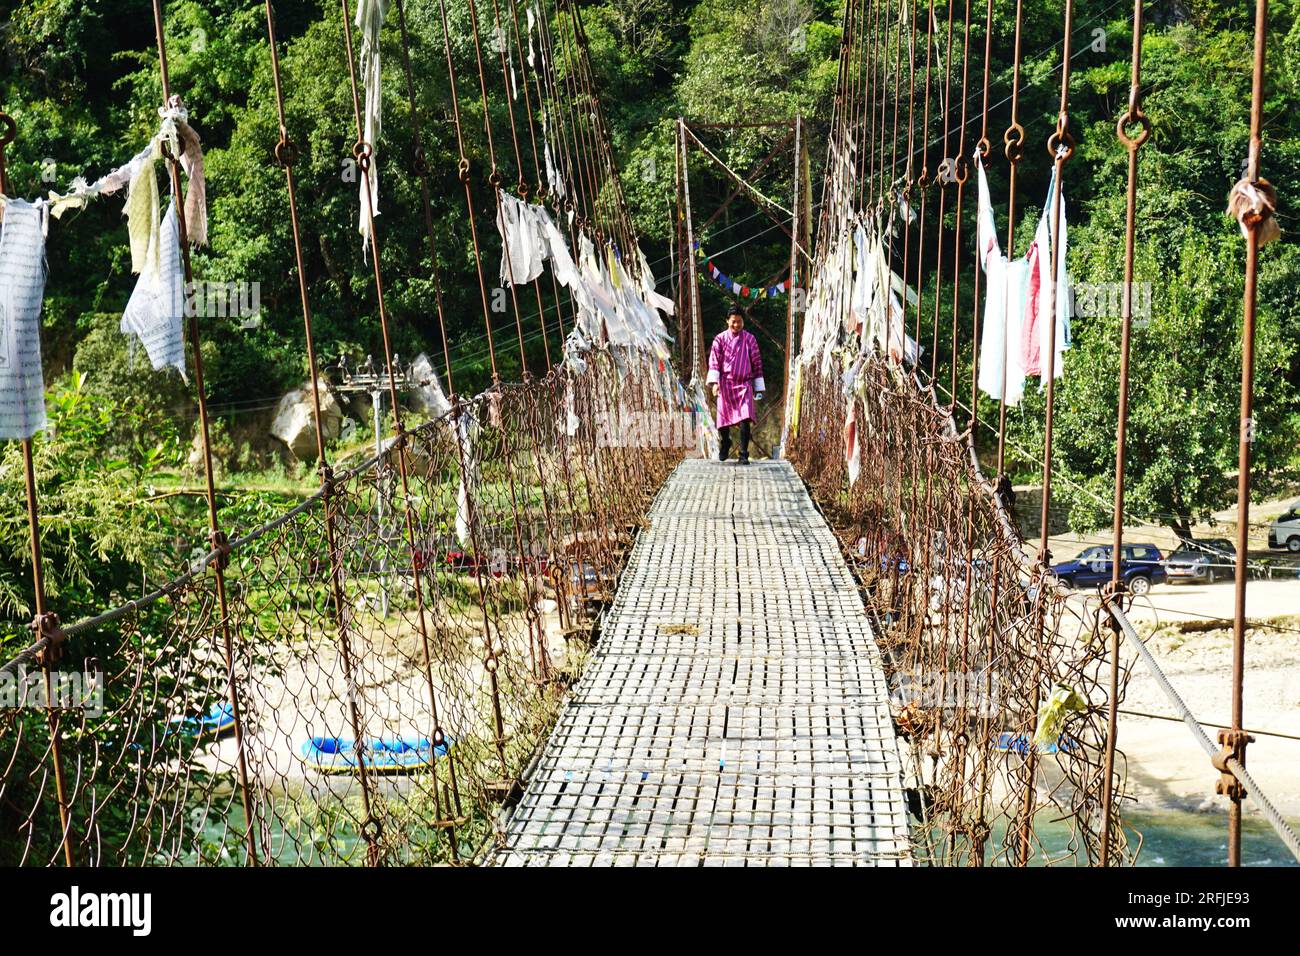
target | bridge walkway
[{"x": 734, "y": 711}]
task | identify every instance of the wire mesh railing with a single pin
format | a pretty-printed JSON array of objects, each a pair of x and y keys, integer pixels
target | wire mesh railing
[
  {"x": 365, "y": 737},
  {"x": 997, "y": 681}
]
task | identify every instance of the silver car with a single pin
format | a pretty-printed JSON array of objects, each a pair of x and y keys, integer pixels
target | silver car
[{"x": 1202, "y": 562}]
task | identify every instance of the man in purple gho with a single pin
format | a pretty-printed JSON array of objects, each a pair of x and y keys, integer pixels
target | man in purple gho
[{"x": 736, "y": 377}]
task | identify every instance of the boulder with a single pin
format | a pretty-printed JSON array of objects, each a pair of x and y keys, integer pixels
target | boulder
[
  {"x": 427, "y": 397},
  {"x": 294, "y": 422}
]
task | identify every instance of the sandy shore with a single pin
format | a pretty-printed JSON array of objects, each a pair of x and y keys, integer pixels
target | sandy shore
[{"x": 1167, "y": 767}]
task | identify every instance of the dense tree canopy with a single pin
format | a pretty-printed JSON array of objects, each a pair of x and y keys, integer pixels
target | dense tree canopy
[{"x": 80, "y": 78}]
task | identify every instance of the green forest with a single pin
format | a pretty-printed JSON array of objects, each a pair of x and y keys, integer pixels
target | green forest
[{"x": 80, "y": 79}]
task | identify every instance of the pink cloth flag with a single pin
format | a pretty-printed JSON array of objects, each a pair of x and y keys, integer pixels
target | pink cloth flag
[
  {"x": 852, "y": 446},
  {"x": 1035, "y": 331},
  {"x": 736, "y": 365}
]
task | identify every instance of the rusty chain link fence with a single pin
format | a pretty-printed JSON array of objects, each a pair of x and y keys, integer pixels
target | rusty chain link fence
[
  {"x": 971, "y": 632},
  {"x": 449, "y": 694}
]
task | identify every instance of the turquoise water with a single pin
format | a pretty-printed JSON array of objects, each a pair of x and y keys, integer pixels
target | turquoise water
[
  {"x": 1177, "y": 838},
  {"x": 1173, "y": 838}
]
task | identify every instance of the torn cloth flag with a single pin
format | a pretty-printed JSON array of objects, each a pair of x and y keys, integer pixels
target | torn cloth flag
[
  {"x": 852, "y": 444},
  {"x": 706, "y": 432},
  {"x": 1037, "y": 334},
  {"x": 600, "y": 295},
  {"x": 465, "y": 430},
  {"x": 902, "y": 347},
  {"x": 153, "y": 313},
  {"x": 860, "y": 300},
  {"x": 428, "y": 393},
  {"x": 648, "y": 293},
  {"x": 1001, "y": 359},
  {"x": 184, "y": 143},
  {"x": 82, "y": 192},
  {"x": 523, "y": 245},
  {"x": 370, "y": 21},
  {"x": 553, "y": 177},
  {"x": 22, "y": 287},
  {"x": 1005, "y": 300},
  {"x": 142, "y": 212}
]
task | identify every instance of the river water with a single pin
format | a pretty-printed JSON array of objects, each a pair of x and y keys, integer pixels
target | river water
[{"x": 1184, "y": 838}]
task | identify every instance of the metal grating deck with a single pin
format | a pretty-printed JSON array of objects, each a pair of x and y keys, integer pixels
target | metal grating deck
[{"x": 763, "y": 740}]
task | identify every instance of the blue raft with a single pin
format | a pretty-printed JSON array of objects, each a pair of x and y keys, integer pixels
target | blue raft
[
  {"x": 378, "y": 754},
  {"x": 219, "y": 720},
  {"x": 1009, "y": 742}
]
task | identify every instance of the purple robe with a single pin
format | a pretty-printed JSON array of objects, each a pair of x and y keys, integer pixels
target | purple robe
[{"x": 737, "y": 367}]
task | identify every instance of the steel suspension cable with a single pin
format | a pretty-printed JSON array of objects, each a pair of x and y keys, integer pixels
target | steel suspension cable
[
  {"x": 364, "y": 153},
  {"x": 421, "y": 166},
  {"x": 537, "y": 172},
  {"x": 890, "y": 65},
  {"x": 1255, "y": 219},
  {"x": 537, "y": 646},
  {"x": 873, "y": 93},
  {"x": 495, "y": 177},
  {"x": 984, "y": 149},
  {"x": 894, "y": 195},
  {"x": 837, "y": 118},
  {"x": 923, "y": 180},
  {"x": 945, "y": 172},
  {"x": 961, "y": 173},
  {"x": 1133, "y": 117},
  {"x": 1060, "y": 145},
  {"x": 1014, "y": 147},
  {"x": 527, "y": 542}
]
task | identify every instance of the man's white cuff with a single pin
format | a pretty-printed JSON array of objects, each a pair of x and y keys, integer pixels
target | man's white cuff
[
  {"x": 758, "y": 385},
  {"x": 714, "y": 375}
]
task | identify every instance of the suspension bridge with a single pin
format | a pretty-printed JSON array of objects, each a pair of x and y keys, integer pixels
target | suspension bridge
[{"x": 570, "y": 642}]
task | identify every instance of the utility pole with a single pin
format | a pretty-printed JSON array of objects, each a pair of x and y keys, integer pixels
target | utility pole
[{"x": 366, "y": 378}]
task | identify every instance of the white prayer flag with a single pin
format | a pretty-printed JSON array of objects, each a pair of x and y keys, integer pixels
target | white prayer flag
[
  {"x": 22, "y": 287},
  {"x": 370, "y": 21},
  {"x": 522, "y": 248},
  {"x": 153, "y": 313}
]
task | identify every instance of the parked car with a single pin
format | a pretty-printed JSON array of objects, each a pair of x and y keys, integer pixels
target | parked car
[
  {"x": 1206, "y": 561},
  {"x": 1284, "y": 533},
  {"x": 1141, "y": 566}
]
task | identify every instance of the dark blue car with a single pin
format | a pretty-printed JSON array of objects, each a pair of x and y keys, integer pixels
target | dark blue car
[{"x": 1141, "y": 567}]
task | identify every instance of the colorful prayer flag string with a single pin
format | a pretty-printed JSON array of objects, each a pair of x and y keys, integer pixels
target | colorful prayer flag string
[{"x": 729, "y": 284}]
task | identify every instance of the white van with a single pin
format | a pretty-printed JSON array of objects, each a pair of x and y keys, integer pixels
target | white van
[{"x": 1285, "y": 531}]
